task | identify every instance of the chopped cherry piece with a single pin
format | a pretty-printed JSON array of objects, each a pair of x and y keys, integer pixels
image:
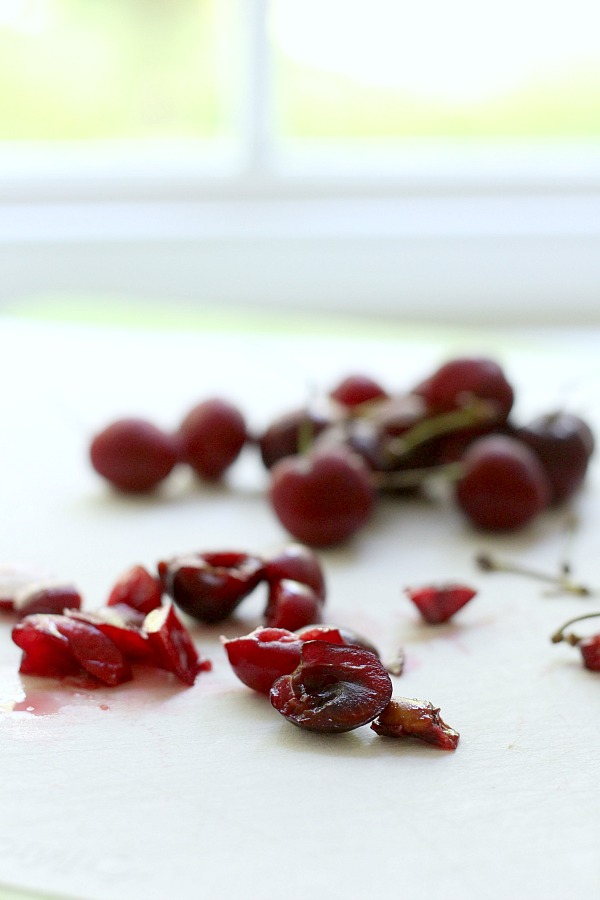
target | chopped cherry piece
[
  {"x": 124, "y": 626},
  {"x": 403, "y": 718},
  {"x": 457, "y": 381},
  {"x": 322, "y": 498},
  {"x": 173, "y": 647},
  {"x": 503, "y": 486},
  {"x": 16, "y": 577},
  {"x": 46, "y": 651},
  {"x": 334, "y": 689},
  {"x": 47, "y": 597},
  {"x": 357, "y": 389},
  {"x": 261, "y": 657},
  {"x": 564, "y": 444},
  {"x": 292, "y": 605},
  {"x": 346, "y": 636},
  {"x": 95, "y": 652},
  {"x": 137, "y": 588},
  {"x": 590, "y": 651},
  {"x": 209, "y": 586},
  {"x": 211, "y": 438},
  {"x": 133, "y": 455},
  {"x": 299, "y": 563},
  {"x": 438, "y": 603}
]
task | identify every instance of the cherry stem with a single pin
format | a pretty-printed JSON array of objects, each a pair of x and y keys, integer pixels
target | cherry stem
[
  {"x": 573, "y": 639},
  {"x": 488, "y": 563},
  {"x": 475, "y": 412},
  {"x": 415, "y": 477}
]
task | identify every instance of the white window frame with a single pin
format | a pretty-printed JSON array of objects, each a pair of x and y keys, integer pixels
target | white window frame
[{"x": 499, "y": 231}]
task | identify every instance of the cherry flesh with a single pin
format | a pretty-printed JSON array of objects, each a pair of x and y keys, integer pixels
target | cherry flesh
[
  {"x": 292, "y": 605},
  {"x": 406, "y": 718},
  {"x": 322, "y": 498},
  {"x": 211, "y": 438},
  {"x": 46, "y": 652},
  {"x": 138, "y": 589},
  {"x": 458, "y": 380},
  {"x": 133, "y": 455},
  {"x": 590, "y": 652},
  {"x": 564, "y": 443},
  {"x": 172, "y": 645},
  {"x": 438, "y": 603},
  {"x": 124, "y": 626},
  {"x": 333, "y": 689},
  {"x": 504, "y": 485},
  {"x": 209, "y": 586}
]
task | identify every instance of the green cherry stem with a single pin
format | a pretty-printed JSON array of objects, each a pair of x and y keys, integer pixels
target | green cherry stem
[
  {"x": 572, "y": 639},
  {"x": 488, "y": 563},
  {"x": 475, "y": 412},
  {"x": 414, "y": 477}
]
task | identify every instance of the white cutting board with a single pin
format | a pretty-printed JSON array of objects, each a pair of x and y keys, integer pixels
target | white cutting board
[{"x": 157, "y": 791}]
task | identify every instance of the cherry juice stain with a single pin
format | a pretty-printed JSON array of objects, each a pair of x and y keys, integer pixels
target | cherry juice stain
[{"x": 47, "y": 701}]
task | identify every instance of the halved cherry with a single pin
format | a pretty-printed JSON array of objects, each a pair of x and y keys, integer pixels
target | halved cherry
[
  {"x": 438, "y": 603},
  {"x": 292, "y": 605},
  {"x": 137, "y": 588},
  {"x": 334, "y": 689}
]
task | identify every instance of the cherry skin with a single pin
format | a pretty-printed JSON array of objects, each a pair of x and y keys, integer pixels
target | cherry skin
[
  {"x": 46, "y": 597},
  {"x": 172, "y": 644},
  {"x": 453, "y": 383},
  {"x": 564, "y": 444},
  {"x": 334, "y": 689},
  {"x": 287, "y": 434},
  {"x": 211, "y": 438},
  {"x": 322, "y": 498},
  {"x": 503, "y": 486},
  {"x": 133, "y": 455}
]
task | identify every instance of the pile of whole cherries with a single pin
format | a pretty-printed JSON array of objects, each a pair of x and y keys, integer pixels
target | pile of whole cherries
[{"x": 330, "y": 460}]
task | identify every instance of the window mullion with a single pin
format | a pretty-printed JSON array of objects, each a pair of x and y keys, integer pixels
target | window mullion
[{"x": 257, "y": 93}]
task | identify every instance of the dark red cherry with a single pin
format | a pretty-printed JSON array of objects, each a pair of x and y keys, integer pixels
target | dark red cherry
[
  {"x": 209, "y": 586},
  {"x": 334, "y": 689},
  {"x": 292, "y": 605},
  {"x": 504, "y": 485},
  {"x": 172, "y": 644},
  {"x": 356, "y": 389},
  {"x": 457, "y": 381},
  {"x": 564, "y": 443},
  {"x": 299, "y": 563},
  {"x": 438, "y": 603},
  {"x": 137, "y": 588},
  {"x": 322, "y": 498},
  {"x": 133, "y": 455},
  {"x": 293, "y": 433},
  {"x": 211, "y": 438},
  {"x": 405, "y": 718}
]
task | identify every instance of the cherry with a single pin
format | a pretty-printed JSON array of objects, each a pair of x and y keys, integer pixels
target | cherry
[
  {"x": 334, "y": 688},
  {"x": 293, "y": 432},
  {"x": 299, "y": 563},
  {"x": 137, "y": 588},
  {"x": 322, "y": 498},
  {"x": 172, "y": 645},
  {"x": 403, "y": 718},
  {"x": 588, "y": 646},
  {"x": 133, "y": 455},
  {"x": 503, "y": 486},
  {"x": 211, "y": 438},
  {"x": 458, "y": 380},
  {"x": 564, "y": 443},
  {"x": 348, "y": 637},
  {"x": 292, "y": 605},
  {"x": 14, "y": 578},
  {"x": 94, "y": 651},
  {"x": 46, "y": 651},
  {"x": 355, "y": 390},
  {"x": 46, "y": 597},
  {"x": 438, "y": 603},
  {"x": 124, "y": 626},
  {"x": 261, "y": 657},
  {"x": 209, "y": 586}
]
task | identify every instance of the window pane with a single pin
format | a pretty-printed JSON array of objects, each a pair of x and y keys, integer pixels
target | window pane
[
  {"x": 116, "y": 68},
  {"x": 387, "y": 68}
]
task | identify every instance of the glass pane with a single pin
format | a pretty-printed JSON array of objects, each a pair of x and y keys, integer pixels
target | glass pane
[
  {"x": 387, "y": 68},
  {"x": 116, "y": 68}
]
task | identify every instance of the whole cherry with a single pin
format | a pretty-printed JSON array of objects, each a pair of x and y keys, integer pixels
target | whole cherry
[
  {"x": 133, "y": 455},
  {"x": 211, "y": 437}
]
